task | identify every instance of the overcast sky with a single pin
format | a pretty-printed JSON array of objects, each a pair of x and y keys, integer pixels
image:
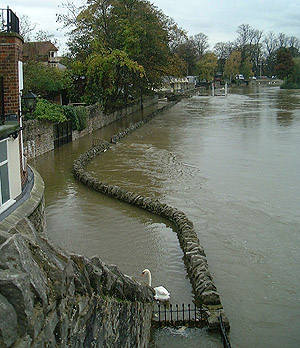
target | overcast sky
[{"x": 218, "y": 19}]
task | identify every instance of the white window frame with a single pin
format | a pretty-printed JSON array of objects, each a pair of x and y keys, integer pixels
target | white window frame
[{"x": 11, "y": 201}]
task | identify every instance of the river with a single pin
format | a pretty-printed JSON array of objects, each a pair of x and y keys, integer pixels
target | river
[{"x": 232, "y": 165}]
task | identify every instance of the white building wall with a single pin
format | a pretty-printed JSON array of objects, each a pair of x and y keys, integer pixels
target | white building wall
[{"x": 14, "y": 167}]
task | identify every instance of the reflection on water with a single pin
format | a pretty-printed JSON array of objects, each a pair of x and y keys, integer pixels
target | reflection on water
[
  {"x": 286, "y": 103},
  {"x": 232, "y": 167}
]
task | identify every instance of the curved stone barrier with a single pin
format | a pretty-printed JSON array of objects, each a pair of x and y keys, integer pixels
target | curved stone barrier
[{"x": 204, "y": 288}]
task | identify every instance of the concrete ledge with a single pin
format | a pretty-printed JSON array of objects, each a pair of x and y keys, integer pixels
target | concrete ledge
[{"x": 29, "y": 207}]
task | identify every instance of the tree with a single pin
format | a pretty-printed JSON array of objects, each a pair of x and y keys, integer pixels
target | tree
[
  {"x": 284, "y": 63},
  {"x": 223, "y": 50},
  {"x": 232, "y": 65},
  {"x": 186, "y": 52},
  {"x": 200, "y": 43},
  {"x": 26, "y": 28},
  {"x": 207, "y": 66},
  {"x": 293, "y": 81},
  {"x": 109, "y": 76},
  {"x": 44, "y": 80},
  {"x": 44, "y": 35},
  {"x": 246, "y": 68},
  {"x": 134, "y": 30}
]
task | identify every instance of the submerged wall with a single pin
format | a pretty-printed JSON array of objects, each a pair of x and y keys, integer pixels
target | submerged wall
[
  {"x": 194, "y": 256},
  {"x": 49, "y": 298}
]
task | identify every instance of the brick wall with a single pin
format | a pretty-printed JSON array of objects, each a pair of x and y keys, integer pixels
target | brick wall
[
  {"x": 11, "y": 47},
  {"x": 10, "y": 53}
]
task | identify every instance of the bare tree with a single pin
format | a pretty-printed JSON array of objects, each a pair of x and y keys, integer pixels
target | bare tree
[
  {"x": 270, "y": 43},
  {"x": 26, "y": 28},
  {"x": 200, "y": 42},
  {"x": 282, "y": 40},
  {"x": 223, "y": 49},
  {"x": 294, "y": 42}
]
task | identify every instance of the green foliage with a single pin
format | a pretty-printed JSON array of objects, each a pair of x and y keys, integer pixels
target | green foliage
[
  {"x": 207, "y": 66},
  {"x": 44, "y": 80},
  {"x": 232, "y": 65},
  {"x": 44, "y": 110},
  {"x": 293, "y": 81},
  {"x": 109, "y": 76},
  {"x": 246, "y": 68},
  {"x": 78, "y": 115},
  {"x": 81, "y": 116},
  {"x": 285, "y": 64},
  {"x": 120, "y": 50}
]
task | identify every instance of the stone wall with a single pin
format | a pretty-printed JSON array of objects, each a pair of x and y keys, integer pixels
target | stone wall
[
  {"x": 49, "y": 298},
  {"x": 39, "y": 137},
  {"x": 194, "y": 256}
]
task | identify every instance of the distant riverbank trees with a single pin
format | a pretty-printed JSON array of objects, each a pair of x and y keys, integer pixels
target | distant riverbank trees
[
  {"x": 258, "y": 52},
  {"x": 120, "y": 50}
]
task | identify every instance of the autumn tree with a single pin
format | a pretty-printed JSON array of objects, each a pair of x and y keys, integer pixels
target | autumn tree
[
  {"x": 207, "y": 66},
  {"x": 232, "y": 65},
  {"x": 134, "y": 30}
]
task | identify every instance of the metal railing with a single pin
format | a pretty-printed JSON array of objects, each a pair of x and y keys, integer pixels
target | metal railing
[
  {"x": 225, "y": 339},
  {"x": 9, "y": 21},
  {"x": 179, "y": 315}
]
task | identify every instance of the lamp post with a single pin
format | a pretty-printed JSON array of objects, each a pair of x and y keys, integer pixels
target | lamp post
[{"x": 29, "y": 101}]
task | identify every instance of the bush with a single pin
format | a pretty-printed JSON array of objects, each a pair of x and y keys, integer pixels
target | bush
[
  {"x": 78, "y": 115},
  {"x": 44, "y": 110},
  {"x": 81, "y": 117}
]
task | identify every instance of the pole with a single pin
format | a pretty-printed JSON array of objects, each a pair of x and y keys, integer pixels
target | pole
[
  {"x": 212, "y": 89},
  {"x": 2, "y": 100}
]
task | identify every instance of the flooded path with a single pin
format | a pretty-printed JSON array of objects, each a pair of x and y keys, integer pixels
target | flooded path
[{"x": 232, "y": 165}]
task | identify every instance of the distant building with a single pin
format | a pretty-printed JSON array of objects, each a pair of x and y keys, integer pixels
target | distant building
[
  {"x": 174, "y": 84},
  {"x": 44, "y": 52}
]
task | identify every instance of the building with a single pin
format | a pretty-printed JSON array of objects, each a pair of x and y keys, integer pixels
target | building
[
  {"x": 42, "y": 51},
  {"x": 174, "y": 84},
  {"x": 13, "y": 168}
]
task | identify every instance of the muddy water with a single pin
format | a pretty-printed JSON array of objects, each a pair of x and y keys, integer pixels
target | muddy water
[{"x": 232, "y": 164}]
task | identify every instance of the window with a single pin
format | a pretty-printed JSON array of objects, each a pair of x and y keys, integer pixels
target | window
[{"x": 4, "y": 179}]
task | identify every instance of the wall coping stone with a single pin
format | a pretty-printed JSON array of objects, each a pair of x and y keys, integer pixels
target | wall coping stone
[{"x": 28, "y": 207}]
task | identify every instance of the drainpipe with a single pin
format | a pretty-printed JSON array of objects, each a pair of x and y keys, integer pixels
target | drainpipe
[{"x": 2, "y": 99}]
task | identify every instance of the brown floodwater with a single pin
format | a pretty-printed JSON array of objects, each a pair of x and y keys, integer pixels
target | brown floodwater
[{"x": 232, "y": 165}]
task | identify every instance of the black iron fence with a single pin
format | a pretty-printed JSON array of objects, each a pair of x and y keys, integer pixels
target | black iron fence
[
  {"x": 9, "y": 21},
  {"x": 225, "y": 339},
  {"x": 179, "y": 315},
  {"x": 62, "y": 133}
]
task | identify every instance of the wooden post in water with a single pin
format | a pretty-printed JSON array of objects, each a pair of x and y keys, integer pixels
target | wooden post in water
[
  {"x": 213, "y": 89},
  {"x": 226, "y": 89}
]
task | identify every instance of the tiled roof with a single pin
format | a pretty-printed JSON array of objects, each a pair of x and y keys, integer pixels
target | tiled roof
[{"x": 37, "y": 50}]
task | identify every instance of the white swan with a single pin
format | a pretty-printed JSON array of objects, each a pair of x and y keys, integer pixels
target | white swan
[{"x": 161, "y": 293}]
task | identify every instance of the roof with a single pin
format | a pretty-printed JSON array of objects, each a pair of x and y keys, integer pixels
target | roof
[{"x": 37, "y": 50}]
